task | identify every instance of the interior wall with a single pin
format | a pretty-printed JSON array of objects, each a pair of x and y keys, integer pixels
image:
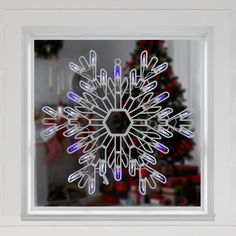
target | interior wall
[{"x": 225, "y": 223}]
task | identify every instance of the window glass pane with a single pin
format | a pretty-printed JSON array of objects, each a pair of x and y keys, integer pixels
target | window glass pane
[{"x": 125, "y": 145}]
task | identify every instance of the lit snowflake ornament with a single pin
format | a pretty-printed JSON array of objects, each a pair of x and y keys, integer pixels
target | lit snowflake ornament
[{"x": 104, "y": 147}]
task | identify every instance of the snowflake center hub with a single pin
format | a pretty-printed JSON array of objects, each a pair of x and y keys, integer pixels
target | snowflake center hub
[{"x": 118, "y": 122}]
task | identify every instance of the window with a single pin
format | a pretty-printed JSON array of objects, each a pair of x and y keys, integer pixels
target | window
[{"x": 51, "y": 163}]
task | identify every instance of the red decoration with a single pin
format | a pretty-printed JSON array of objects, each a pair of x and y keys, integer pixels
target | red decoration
[
  {"x": 121, "y": 187},
  {"x": 60, "y": 135},
  {"x": 54, "y": 149},
  {"x": 111, "y": 200}
]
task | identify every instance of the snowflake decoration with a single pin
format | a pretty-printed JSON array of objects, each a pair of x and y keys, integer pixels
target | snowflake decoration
[{"x": 103, "y": 98}]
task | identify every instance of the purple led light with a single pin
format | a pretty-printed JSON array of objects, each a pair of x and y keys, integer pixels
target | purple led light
[
  {"x": 117, "y": 173},
  {"x": 117, "y": 71},
  {"x": 161, "y": 97},
  {"x": 73, "y": 148},
  {"x": 73, "y": 96},
  {"x": 162, "y": 148}
]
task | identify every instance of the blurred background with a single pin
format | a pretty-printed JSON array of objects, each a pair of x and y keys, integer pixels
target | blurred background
[{"x": 53, "y": 79}]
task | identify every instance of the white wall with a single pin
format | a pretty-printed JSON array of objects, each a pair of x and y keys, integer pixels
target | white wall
[{"x": 225, "y": 165}]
